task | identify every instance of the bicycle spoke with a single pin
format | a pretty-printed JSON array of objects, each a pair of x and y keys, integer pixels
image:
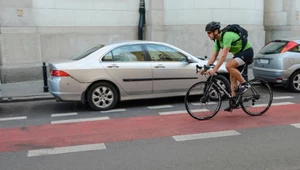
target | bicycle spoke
[
  {"x": 198, "y": 101},
  {"x": 257, "y": 99}
]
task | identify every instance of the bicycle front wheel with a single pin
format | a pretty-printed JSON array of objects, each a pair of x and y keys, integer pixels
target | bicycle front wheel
[
  {"x": 258, "y": 98},
  {"x": 198, "y": 101}
]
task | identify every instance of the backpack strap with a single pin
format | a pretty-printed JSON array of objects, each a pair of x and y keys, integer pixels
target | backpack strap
[
  {"x": 232, "y": 43},
  {"x": 244, "y": 43},
  {"x": 218, "y": 41},
  {"x": 218, "y": 44}
]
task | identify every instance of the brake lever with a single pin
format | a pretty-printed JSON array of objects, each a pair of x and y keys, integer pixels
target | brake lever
[{"x": 198, "y": 68}]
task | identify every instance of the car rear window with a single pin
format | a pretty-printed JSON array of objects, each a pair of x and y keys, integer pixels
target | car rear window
[
  {"x": 273, "y": 47},
  {"x": 86, "y": 53}
]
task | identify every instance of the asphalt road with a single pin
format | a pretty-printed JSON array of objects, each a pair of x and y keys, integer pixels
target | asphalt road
[{"x": 46, "y": 135}]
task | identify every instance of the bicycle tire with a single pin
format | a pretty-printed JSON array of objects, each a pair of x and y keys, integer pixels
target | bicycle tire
[
  {"x": 195, "y": 99},
  {"x": 265, "y": 96}
]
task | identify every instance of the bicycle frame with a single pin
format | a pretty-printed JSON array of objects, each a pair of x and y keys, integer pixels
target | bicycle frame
[{"x": 213, "y": 83}]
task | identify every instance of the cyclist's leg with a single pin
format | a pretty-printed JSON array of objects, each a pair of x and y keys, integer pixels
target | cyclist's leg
[
  {"x": 231, "y": 67},
  {"x": 242, "y": 58},
  {"x": 233, "y": 86}
]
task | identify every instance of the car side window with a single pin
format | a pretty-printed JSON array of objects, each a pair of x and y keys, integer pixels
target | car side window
[
  {"x": 128, "y": 53},
  {"x": 164, "y": 53},
  {"x": 296, "y": 49}
]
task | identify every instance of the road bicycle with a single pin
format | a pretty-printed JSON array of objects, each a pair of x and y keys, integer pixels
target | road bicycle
[{"x": 201, "y": 106}]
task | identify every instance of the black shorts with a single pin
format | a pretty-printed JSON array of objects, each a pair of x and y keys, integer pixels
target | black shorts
[{"x": 246, "y": 56}]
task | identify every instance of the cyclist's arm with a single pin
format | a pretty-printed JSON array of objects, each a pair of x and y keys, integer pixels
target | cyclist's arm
[
  {"x": 222, "y": 58},
  {"x": 227, "y": 40},
  {"x": 213, "y": 58}
]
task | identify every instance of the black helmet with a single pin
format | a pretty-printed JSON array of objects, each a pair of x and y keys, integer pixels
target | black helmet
[{"x": 212, "y": 26}]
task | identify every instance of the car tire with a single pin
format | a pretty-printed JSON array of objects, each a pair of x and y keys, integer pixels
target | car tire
[
  {"x": 295, "y": 82},
  {"x": 225, "y": 83},
  {"x": 102, "y": 96}
]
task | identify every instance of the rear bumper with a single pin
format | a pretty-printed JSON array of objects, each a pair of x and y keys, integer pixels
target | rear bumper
[
  {"x": 66, "y": 88},
  {"x": 270, "y": 75}
]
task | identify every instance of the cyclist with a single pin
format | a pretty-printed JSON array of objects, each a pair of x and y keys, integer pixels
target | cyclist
[{"x": 235, "y": 64}]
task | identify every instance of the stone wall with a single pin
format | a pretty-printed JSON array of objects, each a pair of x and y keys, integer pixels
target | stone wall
[
  {"x": 282, "y": 19},
  {"x": 36, "y": 31}
]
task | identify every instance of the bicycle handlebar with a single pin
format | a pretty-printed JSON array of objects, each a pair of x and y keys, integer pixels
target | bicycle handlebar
[{"x": 205, "y": 67}]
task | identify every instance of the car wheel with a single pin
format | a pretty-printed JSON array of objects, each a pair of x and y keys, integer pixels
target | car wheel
[
  {"x": 102, "y": 96},
  {"x": 295, "y": 82},
  {"x": 224, "y": 82}
]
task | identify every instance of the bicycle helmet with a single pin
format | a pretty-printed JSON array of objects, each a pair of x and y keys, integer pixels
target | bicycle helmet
[{"x": 212, "y": 26}]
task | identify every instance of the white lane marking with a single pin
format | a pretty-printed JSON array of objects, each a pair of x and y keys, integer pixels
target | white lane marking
[
  {"x": 64, "y": 114},
  {"x": 79, "y": 120},
  {"x": 274, "y": 104},
  {"x": 297, "y": 125},
  {"x": 68, "y": 149},
  {"x": 283, "y": 97},
  {"x": 160, "y": 107},
  {"x": 13, "y": 118},
  {"x": 114, "y": 110},
  {"x": 198, "y": 104},
  {"x": 182, "y": 112},
  {"x": 206, "y": 135}
]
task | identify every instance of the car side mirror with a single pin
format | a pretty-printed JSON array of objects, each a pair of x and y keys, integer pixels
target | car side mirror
[{"x": 189, "y": 59}]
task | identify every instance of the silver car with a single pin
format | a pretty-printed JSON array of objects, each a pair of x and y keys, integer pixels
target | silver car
[
  {"x": 106, "y": 74},
  {"x": 279, "y": 63}
]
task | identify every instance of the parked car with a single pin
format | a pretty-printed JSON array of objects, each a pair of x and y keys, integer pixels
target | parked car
[
  {"x": 106, "y": 74},
  {"x": 279, "y": 63}
]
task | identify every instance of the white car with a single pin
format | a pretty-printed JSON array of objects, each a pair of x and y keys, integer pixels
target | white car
[{"x": 106, "y": 74}]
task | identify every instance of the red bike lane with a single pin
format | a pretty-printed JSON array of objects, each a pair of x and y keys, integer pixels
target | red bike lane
[{"x": 137, "y": 128}]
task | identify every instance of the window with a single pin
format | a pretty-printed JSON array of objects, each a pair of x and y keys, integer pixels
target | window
[
  {"x": 128, "y": 53},
  {"x": 164, "y": 53},
  {"x": 296, "y": 49},
  {"x": 274, "y": 47},
  {"x": 108, "y": 57},
  {"x": 86, "y": 53}
]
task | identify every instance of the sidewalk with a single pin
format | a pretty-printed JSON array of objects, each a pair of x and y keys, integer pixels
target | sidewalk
[{"x": 24, "y": 91}]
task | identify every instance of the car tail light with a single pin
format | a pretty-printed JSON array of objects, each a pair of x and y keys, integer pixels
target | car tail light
[
  {"x": 59, "y": 73},
  {"x": 289, "y": 46},
  {"x": 279, "y": 80}
]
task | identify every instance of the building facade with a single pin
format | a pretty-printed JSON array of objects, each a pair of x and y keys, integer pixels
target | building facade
[{"x": 36, "y": 31}]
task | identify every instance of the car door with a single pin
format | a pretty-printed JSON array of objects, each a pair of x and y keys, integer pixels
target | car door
[
  {"x": 128, "y": 67},
  {"x": 171, "y": 70}
]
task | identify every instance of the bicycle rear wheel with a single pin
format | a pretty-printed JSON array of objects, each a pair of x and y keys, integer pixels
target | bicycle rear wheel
[
  {"x": 258, "y": 98},
  {"x": 198, "y": 101}
]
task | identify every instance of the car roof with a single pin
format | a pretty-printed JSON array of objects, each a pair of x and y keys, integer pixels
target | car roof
[
  {"x": 295, "y": 39},
  {"x": 128, "y": 42}
]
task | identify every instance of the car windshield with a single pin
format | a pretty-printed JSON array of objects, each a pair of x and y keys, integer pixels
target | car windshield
[
  {"x": 86, "y": 52},
  {"x": 273, "y": 47}
]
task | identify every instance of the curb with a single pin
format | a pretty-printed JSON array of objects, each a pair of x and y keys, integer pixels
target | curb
[{"x": 9, "y": 99}]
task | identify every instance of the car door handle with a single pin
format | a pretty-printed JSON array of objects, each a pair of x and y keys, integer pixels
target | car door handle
[
  {"x": 113, "y": 66},
  {"x": 160, "y": 66}
]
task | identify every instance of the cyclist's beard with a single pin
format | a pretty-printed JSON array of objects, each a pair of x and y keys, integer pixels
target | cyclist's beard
[{"x": 215, "y": 37}]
